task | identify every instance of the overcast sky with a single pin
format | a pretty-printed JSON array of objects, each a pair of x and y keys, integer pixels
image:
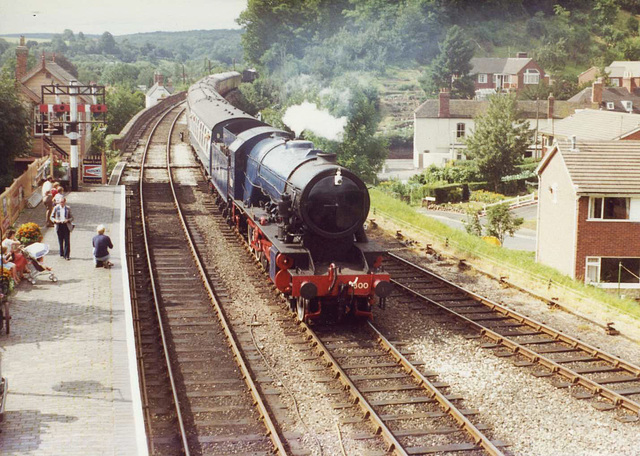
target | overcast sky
[{"x": 119, "y": 17}]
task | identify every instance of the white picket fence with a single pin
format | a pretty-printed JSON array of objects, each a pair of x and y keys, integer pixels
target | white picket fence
[{"x": 514, "y": 202}]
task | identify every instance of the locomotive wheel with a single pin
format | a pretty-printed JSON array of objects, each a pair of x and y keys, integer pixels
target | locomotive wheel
[{"x": 301, "y": 309}]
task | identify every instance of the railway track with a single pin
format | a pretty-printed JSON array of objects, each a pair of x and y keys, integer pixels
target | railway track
[
  {"x": 410, "y": 410},
  {"x": 406, "y": 406},
  {"x": 590, "y": 372},
  {"x": 194, "y": 377}
]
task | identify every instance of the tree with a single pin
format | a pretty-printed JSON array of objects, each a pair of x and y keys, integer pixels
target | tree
[
  {"x": 500, "y": 222},
  {"x": 122, "y": 105},
  {"x": 450, "y": 69},
  {"x": 499, "y": 140},
  {"x": 472, "y": 224},
  {"x": 14, "y": 124},
  {"x": 107, "y": 44},
  {"x": 361, "y": 150}
]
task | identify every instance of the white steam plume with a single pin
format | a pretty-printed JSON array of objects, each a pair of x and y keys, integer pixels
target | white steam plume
[{"x": 307, "y": 116}]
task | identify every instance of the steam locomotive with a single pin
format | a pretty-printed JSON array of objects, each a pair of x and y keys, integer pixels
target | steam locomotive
[{"x": 301, "y": 213}]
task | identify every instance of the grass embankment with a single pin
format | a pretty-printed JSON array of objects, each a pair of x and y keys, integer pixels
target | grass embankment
[{"x": 474, "y": 248}]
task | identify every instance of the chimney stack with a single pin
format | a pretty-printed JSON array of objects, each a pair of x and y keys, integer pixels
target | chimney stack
[
  {"x": 22, "y": 53},
  {"x": 596, "y": 91},
  {"x": 443, "y": 103},
  {"x": 522, "y": 55},
  {"x": 550, "y": 101},
  {"x": 159, "y": 78},
  {"x": 626, "y": 81}
]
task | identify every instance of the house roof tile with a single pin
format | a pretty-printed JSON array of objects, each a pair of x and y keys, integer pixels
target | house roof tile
[
  {"x": 468, "y": 109},
  {"x": 490, "y": 65},
  {"x": 615, "y": 95},
  {"x": 602, "y": 167},
  {"x": 595, "y": 125}
]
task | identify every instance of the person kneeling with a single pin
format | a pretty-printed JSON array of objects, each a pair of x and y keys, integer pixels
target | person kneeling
[{"x": 101, "y": 245}]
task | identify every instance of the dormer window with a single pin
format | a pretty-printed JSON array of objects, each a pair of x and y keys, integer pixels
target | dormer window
[
  {"x": 610, "y": 105},
  {"x": 628, "y": 105}
]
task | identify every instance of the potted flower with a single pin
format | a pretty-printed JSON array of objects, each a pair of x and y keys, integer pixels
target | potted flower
[
  {"x": 28, "y": 233},
  {"x": 6, "y": 282}
]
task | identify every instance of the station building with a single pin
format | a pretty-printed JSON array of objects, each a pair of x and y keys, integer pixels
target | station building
[{"x": 47, "y": 141}]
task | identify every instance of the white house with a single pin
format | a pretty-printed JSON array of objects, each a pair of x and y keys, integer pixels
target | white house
[
  {"x": 158, "y": 91},
  {"x": 440, "y": 125}
]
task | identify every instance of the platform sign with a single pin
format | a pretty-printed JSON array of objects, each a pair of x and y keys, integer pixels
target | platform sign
[{"x": 92, "y": 170}]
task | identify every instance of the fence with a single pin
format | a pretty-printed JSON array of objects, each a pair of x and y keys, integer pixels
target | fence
[
  {"x": 514, "y": 202},
  {"x": 16, "y": 197}
]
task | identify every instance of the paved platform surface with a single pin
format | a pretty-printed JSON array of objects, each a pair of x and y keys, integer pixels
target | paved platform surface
[{"x": 70, "y": 356}]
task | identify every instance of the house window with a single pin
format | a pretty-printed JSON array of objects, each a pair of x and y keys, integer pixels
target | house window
[
  {"x": 494, "y": 78},
  {"x": 615, "y": 82},
  {"x": 628, "y": 105},
  {"x": 482, "y": 78},
  {"x": 531, "y": 76},
  {"x": 613, "y": 270},
  {"x": 609, "y": 208},
  {"x": 610, "y": 105},
  {"x": 460, "y": 130}
]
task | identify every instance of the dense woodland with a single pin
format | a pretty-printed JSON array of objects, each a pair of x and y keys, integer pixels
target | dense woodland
[{"x": 339, "y": 54}]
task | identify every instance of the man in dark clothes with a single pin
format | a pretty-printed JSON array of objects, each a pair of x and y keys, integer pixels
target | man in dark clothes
[
  {"x": 101, "y": 245},
  {"x": 62, "y": 218}
]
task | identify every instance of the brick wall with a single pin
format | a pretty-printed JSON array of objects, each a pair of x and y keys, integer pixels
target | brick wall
[{"x": 604, "y": 238}]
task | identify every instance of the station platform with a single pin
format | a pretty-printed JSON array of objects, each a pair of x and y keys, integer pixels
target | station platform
[{"x": 70, "y": 357}]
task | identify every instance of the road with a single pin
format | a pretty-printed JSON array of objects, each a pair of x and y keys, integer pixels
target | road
[{"x": 524, "y": 238}]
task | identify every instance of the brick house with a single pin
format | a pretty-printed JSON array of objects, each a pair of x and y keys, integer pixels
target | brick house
[
  {"x": 589, "y": 211},
  {"x": 441, "y": 125},
  {"x": 621, "y": 73},
  {"x": 618, "y": 99},
  {"x": 592, "y": 125},
  {"x": 29, "y": 84},
  {"x": 511, "y": 74}
]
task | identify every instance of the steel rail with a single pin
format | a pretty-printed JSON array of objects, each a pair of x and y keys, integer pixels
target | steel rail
[
  {"x": 478, "y": 437},
  {"x": 138, "y": 332},
  {"x": 573, "y": 377},
  {"x": 368, "y": 410},
  {"x": 255, "y": 393},
  {"x": 154, "y": 290}
]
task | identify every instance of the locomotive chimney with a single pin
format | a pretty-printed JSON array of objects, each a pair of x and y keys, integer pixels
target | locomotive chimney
[{"x": 324, "y": 157}]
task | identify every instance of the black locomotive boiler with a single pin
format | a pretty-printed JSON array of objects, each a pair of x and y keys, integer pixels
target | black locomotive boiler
[{"x": 302, "y": 214}]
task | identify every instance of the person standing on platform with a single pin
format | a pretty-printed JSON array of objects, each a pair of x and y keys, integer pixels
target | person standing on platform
[
  {"x": 59, "y": 194},
  {"x": 101, "y": 245},
  {"x": 48, "y": 204},
  {"x": 61, "y": 216},
  {"x": 47, "y": 186}
]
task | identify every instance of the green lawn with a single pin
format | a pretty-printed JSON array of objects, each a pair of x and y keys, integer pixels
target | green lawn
[{"x": 433, "y": 231}]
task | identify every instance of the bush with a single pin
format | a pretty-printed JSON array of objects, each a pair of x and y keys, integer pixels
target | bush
[
  {"x": 486, "y": 197},
  {"x": 475, "y": 186},
  {"x": 28, "y": 233},
  {"x": 6, "y": 282}
]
